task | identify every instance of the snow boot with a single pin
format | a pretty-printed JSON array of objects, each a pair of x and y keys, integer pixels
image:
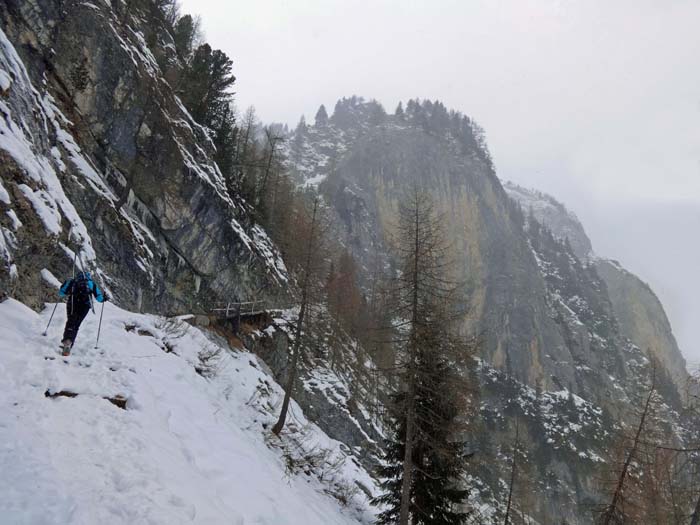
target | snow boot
[{"x": 66, "y": 346}]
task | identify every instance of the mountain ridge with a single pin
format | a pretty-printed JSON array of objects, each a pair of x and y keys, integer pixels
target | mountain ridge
[
  {"x": 637, "y": 308},
  {"x": 100, "y": 156},
  {"x": 543, "y": 307}
]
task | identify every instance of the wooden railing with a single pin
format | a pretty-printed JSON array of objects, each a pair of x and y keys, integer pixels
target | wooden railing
[
  {"x": 245, "y": 309},
  {"x": 236, "y": 309}
]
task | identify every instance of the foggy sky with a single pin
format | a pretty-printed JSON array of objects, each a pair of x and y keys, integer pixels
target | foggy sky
[{"x": 596, "y": 102}]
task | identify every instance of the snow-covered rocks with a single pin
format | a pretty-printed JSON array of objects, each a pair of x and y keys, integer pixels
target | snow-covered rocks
[
  {"x": 5, "y": 81},
  {"x": 563, "y": 223}
]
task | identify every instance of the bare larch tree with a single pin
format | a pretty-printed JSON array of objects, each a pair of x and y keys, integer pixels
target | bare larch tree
[
  {"x": 614, "y": 512},
  {"x": 311, "y": 236}
]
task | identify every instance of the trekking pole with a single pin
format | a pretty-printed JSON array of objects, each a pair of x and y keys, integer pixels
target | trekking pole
[
  {"x": 55, "y": 305},
  {"x": 75, "y": 257},
  {"x": 99, "y": 326},
  {"x": 50, "y": 319},
  {"x": 102, "y": 310}
]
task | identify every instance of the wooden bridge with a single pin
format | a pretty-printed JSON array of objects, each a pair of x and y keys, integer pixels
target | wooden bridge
[
  {"x": 237, "y": 309},
  {"x": 255, "y": 313}
]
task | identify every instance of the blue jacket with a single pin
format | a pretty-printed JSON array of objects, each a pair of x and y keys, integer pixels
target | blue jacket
[{"x": 67, "y": 287}]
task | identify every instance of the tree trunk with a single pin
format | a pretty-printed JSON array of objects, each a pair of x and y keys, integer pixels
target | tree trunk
[
  {"x": 407, "y": 481},
  {"x": 408, "y": 454},
  {"x": 513, "y": 470},
  {"x": 297, "y": 330},
  {"x": 619, "y": 489},
  {"x": 263, "y": 185},
  {"x": 292, "y": 372}
]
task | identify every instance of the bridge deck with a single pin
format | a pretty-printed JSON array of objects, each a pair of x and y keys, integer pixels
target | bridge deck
[{"x": 243, "y": 310}]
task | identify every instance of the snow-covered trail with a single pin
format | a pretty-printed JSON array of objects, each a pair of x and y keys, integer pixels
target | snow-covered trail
[{"x": 185, "y": 450}]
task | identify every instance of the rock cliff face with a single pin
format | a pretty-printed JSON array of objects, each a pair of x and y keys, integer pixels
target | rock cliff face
[
  {"x": 638, "y": 311},
  {"x": 95, "y": 143},
  {"x": 553, "y": 215},
  {"x": 642, "y": 319},
  {"x": 540, "y": 324},
  {"x": 533, "y": 288}
]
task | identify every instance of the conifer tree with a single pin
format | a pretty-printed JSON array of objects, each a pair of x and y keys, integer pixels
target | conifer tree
[
  {"x": 411, "y": 106},
  {"x": 263, "y": 201},
  {"x": 377, "y": 114},
  {"x": 321, "y": 116},
  {"x": 186, "y": 32},
  {"x": 391, "y": 471},
  {"x": 205, "y": 89},
  {"x": 441, "y": 457},
  {"x": 424, "y": 460},
  {"x": 246, "y": 156},
  {"x": 225, "y": 142},
  {"x": 301, "y": 129}
]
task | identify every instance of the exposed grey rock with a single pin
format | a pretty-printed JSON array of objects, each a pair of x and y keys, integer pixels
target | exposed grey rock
[
  {"x": 165, "y": 231},
  {"x": 554, "y": 215},
  {"x": 638, "y": 311},
  {"x": 642, "y": 318},
  {"x": 363, "y": 170}
]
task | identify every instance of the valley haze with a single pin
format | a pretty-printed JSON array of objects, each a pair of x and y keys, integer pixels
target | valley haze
[{"x": 593, "y": 102}]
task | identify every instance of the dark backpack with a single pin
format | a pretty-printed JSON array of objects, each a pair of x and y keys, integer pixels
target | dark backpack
[{"x": 81, "y": 288}]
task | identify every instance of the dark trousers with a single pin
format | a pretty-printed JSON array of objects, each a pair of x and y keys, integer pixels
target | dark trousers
[{"x": 77, "y": 311}]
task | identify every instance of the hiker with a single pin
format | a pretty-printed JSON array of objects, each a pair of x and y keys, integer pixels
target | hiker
[{"x": 79, "y": 291}]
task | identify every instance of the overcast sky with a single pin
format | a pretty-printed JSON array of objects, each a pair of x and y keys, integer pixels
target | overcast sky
[{"x": 596, "y": 102}]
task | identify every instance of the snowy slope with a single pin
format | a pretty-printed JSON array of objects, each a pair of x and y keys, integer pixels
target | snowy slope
[{"x": 187, "y": 449}]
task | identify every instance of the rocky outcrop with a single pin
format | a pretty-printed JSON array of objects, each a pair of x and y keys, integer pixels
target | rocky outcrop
[
  {"x": 639, "y": 313},
  {"x": 643, "y": 320},
  {"x": 553, "y": 215},
  {"x": 109, "y": 153}
]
